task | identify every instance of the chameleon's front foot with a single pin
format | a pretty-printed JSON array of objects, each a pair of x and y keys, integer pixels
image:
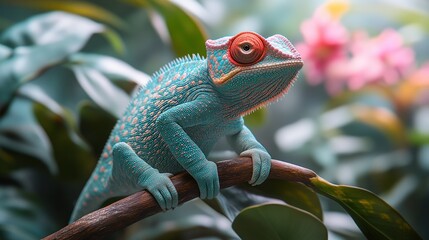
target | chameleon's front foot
[
  {"x": 161, "y": 188},
  {"x": 133, "y": 173},
  {"x": 261, "y": 165},
  {"x": 207, "y": 180}
]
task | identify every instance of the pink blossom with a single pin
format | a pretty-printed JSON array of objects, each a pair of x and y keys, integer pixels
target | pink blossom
[
  {"x": 324, "y": 43},
  {"x": 383, "y": 59}
]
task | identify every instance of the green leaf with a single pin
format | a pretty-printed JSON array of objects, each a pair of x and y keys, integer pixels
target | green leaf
[
  {"x": 100, "y": 89},
  {"x": 112, "y": 68},
  {"x": 73, "y": 156},
  {"x": 49, "y": 28},
  {"x": 21, "y": 217},
  {"x": 186, "y": 33},
  {"x": 37, "y": 94},
  {"x": 95, "y": 125},
  {"x": 276, "y": 221},
  {"x": 256, "y": 118},
  {"x": 293, "y": 193},
  {"x": 82, "y": 8},
  {"x": 375, "y": 218},
  {"x": 39, "y": 43},
  {"x": 24, "y": 143}
]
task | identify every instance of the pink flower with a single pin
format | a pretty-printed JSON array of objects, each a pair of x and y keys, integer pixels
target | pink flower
[
  {"x": 324, "y": 43},
  {"x": 383, "y": 59}
]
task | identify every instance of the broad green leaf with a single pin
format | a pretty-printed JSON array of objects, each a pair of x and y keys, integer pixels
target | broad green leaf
[
  {"x": 73, "y": 156},
  {"x": 186, "y": 33},
  {"x": 95, "y": 125},
  {"x": 375, "y": 218},
  {"x": 293, "y": 193},
  {"x": 112, "y": 68},
  {"x": 82, "y": 8},
  {"x": 37, "y": 44},
  {"x": 277, "y": 222},
  {"x": 23, "y": 142},
  {"x": 21, "y": 217},
  {"x": 37, "y": 94},
  {"x": 49, "y": 28},
  {"x": 256, "y": 118},
  {"x": 100, "y": 89}
]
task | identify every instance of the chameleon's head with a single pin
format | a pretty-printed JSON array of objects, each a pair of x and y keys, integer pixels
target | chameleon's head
[{"x": 250, "y": 71}]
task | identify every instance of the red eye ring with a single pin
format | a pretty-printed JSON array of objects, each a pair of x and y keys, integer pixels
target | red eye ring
[{"x": 246, "y": 48}]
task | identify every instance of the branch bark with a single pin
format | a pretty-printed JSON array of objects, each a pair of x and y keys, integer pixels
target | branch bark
[{"x": 140, "y": 205}]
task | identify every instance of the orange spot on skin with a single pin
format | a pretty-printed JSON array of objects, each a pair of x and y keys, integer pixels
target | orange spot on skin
[
  {"x": 125, "y": 133},
  {"x": 183, "y": 76},
  {"x": 105, "y": 155},
  {"x": 160, "y": 77},
  {"x": 122, "y": 126},
  {"x": 172, "y": 88},
  {"x": 116, "y": 138},
  {"x": 95, "y": 177},
  {"x": 176, "y": 76},
  {"x": 135, "y": 120},
  {"x": 102, "y": 169}
]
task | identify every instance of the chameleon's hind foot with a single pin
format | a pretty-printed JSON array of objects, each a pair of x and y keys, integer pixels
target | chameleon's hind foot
[{"x": 129, "y": 168}]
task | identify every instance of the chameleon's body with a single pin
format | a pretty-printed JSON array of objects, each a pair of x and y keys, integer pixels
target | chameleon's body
[{"x": 172, "y": 123}]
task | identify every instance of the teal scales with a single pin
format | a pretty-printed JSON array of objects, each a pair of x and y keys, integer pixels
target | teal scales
[{"x": 172, "y": 123}]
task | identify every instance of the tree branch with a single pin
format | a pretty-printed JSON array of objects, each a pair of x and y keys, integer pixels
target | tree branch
[{"x": 140, "y": 205}]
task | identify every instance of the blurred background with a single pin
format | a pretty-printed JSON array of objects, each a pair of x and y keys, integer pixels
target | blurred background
[{"x": 358, "y": 115}]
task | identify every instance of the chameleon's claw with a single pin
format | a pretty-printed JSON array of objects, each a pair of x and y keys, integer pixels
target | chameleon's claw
[{"x": 261, "y": 165}]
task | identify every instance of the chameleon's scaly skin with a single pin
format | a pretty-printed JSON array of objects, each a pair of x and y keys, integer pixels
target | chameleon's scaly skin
[{"x": 172, "y": 123}]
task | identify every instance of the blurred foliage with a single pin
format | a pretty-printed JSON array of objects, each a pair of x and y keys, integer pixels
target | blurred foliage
[{"x": 68, "y": 69}]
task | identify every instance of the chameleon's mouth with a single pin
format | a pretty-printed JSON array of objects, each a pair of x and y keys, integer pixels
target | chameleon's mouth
[{"x": 294, "y": 63}]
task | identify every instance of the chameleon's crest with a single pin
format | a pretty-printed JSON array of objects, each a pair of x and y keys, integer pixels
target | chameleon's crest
[{"x": 177, "y": 62}]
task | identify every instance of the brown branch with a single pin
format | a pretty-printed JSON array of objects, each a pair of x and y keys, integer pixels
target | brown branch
[{"x": 140, "y": 205}]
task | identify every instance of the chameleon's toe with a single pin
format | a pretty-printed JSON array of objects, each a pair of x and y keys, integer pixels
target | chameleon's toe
[
  {"x": 161, "y": 188},
  {"x": 261, "y": 165},
  {"x": 208, "y": 181}
]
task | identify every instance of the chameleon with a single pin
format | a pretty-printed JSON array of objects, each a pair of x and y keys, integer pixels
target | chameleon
[{"x": 172, "y": 123}]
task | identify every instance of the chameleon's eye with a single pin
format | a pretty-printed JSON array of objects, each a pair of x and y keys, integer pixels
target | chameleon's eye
[{"x": 246, "y": 48}]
